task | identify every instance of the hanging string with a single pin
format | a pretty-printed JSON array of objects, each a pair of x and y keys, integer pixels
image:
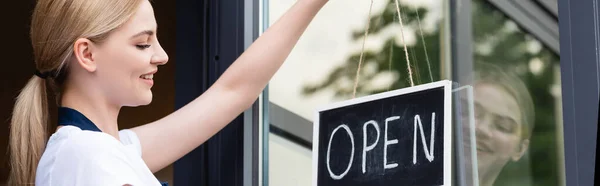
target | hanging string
[
  {"x": 410, "y": 74},
  {"x": 416, "y": 66},
  {"x": 390, "y": 61},
  {"x": 362, "y": 51},
  {"x": 424, "y": 46},
  {"x": 412, "y": 83}
]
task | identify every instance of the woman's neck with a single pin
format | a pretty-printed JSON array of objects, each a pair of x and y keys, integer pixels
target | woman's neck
[
  {"x": 487, "y": 178},
  {"x": 486, "y": 183},
  {"x": 95, "y": 108}
]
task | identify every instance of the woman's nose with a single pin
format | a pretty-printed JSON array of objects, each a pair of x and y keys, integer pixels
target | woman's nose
[
  {"x": 482, "y": 127},
  {"x": 160, "y": 57}
]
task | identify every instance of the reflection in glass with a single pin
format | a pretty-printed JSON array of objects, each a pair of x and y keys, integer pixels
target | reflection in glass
[
  {"x": 504, "y": 119},
  {"x": 514, "y": 90}
]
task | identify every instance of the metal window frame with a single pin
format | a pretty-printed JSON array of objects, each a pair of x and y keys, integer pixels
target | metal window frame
[
  {"x": 265, "y": 129},
  {"x": 251, "y": 115},
  {"x": 550, "y": 5},
  {"x": 580, "y": 77},
  {"x": 461, "y": 47},
  {"x": 533, "y": 18},
  {"x": 290, "y": 126},
  {"x": 210, "y": 37}
]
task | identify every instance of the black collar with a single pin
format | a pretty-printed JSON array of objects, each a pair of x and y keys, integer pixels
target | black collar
[{"x": 69, "y": 116}]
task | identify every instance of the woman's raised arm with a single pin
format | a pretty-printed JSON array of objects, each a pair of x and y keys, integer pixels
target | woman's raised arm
[{"x": 170, "y": 138}]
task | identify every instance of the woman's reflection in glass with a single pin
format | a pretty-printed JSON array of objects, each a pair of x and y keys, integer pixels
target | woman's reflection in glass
[{"x": 504, "y": 119}]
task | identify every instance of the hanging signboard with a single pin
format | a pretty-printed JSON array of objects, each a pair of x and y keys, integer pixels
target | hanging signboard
[{"x": 401, "y": 137}]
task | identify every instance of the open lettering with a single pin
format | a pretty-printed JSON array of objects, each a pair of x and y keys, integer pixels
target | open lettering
[{"x": 387, "y": 143}]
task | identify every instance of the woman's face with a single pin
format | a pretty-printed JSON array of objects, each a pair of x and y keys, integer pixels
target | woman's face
[
  {"x": 128, "y": 59},
  {"x": 498, "y": 128}
]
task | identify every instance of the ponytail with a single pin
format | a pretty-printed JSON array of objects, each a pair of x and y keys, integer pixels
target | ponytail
[{"x": 28, "y": 130}]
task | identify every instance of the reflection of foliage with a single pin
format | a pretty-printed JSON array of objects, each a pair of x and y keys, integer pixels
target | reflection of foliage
[
  {"x": 380, "y": 59},
  {"x": 495, "y": 41}
]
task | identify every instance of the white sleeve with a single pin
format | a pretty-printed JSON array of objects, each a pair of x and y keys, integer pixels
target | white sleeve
[{"x": 129, "y": 138}]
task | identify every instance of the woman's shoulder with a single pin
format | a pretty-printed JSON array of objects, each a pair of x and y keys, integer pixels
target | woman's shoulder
[
  {"x": 74, "y": 141},
  {"x": 74, "y": 146},
  {"x": 74, "y": 153}
]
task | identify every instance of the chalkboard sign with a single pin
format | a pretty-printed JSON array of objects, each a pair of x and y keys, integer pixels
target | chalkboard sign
[{"x": 401, "y": 137}]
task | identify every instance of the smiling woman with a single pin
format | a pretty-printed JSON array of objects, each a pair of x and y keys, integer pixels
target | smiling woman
[
  {"x": 101, "y": 55},
  {"x": 28, "y": 123}
]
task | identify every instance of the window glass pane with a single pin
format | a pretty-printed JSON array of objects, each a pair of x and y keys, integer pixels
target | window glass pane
[
  {"x": 322, "y": 67},
  {"x": 516, "y": 83},
  {"x": 518, "y": 121},
  {"x": 289, "y": 163}
]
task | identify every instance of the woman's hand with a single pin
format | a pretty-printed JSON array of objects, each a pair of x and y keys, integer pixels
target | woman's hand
[{"x": 168, "y": 139}]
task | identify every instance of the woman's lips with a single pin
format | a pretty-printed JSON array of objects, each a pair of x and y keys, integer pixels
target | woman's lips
[
  {"x": 480, "y": 146},
  {"x": 483, "y": 147},
  {"x": 148, "y": 78},
  {"x": 148, "y": 81}
]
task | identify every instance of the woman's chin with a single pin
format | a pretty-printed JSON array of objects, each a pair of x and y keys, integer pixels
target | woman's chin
[
  {"x": 146, "y": 103},
  {"x": 145, "y": 99}
]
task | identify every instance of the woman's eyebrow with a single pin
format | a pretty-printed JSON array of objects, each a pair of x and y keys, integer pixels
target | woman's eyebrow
[{"x": 145, "y": 32}]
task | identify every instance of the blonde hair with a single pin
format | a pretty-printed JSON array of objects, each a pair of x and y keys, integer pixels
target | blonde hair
[{"x": 55, "y": 26}]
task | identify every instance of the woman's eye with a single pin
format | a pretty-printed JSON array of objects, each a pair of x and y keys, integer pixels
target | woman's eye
[
  {"x": 503, "y": 128},
  {"x": 142, "y": 46},
  {"x": 505, "y": 125}
]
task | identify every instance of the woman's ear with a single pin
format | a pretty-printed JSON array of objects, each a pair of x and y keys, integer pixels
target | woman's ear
[
  {"x": 83, "y": 50},
  {"x": 521, "y": 151}
]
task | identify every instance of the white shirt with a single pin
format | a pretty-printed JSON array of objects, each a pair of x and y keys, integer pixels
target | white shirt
[{"x": 77, "y": 157}]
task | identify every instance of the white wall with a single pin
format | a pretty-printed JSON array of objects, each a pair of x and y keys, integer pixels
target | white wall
[{"x": 289, "y": 163}]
